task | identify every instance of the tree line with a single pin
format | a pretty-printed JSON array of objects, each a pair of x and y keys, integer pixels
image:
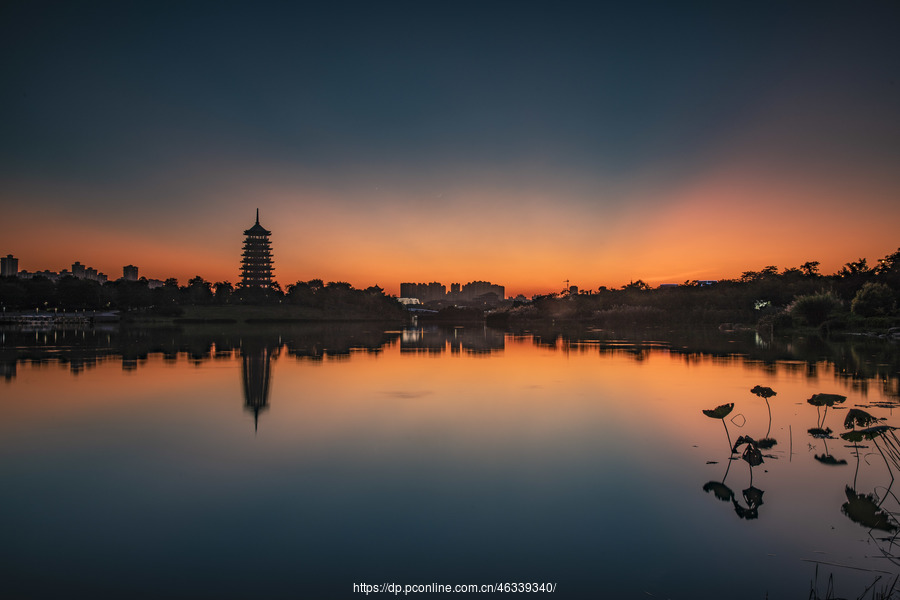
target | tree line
[
  {"x": 794, "y": 296},
  {"x": 71, "y": 293}
]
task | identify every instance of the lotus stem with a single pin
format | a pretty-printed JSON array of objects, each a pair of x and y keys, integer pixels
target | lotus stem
[{"x": 728, "y": 436}]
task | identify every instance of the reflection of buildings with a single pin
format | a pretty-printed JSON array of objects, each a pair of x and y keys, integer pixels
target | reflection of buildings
[
  {"x": 256, "y": 261},
  {"x": 256, "y": 362},
  {"x": 477, "y": 340}
]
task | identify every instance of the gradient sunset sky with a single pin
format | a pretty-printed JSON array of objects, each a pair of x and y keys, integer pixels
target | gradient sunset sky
[{"x": 524, "y": 143}]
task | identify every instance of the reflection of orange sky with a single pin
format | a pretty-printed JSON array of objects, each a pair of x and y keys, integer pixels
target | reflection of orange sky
[
  {"x": 566, "y": 422},
  {"x": 523, "y": 390},
  {"x": 517, "y": 410},
  {"x": 530, "y": 238}
]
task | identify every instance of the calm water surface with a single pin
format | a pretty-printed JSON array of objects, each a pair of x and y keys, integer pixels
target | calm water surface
[{"x": 295, "y": 462}]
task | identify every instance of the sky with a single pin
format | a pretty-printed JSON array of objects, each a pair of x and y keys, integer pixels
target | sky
[{"x": 523, "y": 143}]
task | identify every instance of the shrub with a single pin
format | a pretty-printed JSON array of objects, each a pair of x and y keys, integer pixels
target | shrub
[
  {"x": 872, "y": 300},
  {"x": 814, "y": 309}
]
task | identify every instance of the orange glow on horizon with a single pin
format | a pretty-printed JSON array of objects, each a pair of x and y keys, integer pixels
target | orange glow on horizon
[{"x": 531, "y": 241}]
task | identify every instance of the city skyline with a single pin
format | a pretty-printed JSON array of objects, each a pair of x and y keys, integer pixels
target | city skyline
[
  {"x": 387, "y": 143},
  {"x": 130, "y": 273}
]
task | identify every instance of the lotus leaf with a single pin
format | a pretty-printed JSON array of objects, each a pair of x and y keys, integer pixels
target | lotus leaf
[
  {"x": 763, "y": 392},
  {"x": 753, "y": 498},
  {"x": 818, "y": 432},
  {"x": 828, "y": 459},
  {"x": 857, "y": 417},
  {"x": 752, "y": 456},
  {"x": 826, "y": 399},
  {"x": 719, "y": 412},
  {"x": 721, "y": 491},
  {"x": 744, "y": 439},
  {"x": 863, "y": 509},
  {"x": 870, "y": 433}
]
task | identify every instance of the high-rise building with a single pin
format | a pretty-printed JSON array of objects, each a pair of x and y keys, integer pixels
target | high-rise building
[
  {"x": 426, "y": 292},
  {"x": 9, "y": 266},
  {"x": 78, "y": 270},
  {"x": 256, "y": 261},
  {"x": 130, "y": 273}
]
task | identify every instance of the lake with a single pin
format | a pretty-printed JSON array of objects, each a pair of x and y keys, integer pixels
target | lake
[{"x": 297, "y": 461}]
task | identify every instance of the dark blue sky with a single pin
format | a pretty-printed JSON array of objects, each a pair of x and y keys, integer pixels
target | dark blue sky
[{"x": 114, "y": 106}]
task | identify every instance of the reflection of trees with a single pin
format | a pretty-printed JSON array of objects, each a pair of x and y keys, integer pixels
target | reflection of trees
[
  {"x": 256, "y": 346},
  {"x": 858, "y": 361},
  {"x": 82, "y": 349}
]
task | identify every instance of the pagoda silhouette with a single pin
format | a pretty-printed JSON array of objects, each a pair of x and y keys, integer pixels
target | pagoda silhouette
[{"x": 256, "y": 261}]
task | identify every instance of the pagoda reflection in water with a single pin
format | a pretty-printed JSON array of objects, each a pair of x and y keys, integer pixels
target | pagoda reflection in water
[{"x": 256, "y": 358}]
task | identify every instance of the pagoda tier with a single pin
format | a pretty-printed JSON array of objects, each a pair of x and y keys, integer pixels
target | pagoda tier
[{"x": 256, "y": 261}]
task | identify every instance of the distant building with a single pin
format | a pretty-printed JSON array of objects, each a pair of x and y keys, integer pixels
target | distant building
[
  {"x": 9, "y": 266},
  {"x": 470, "y": 292},
  {"x": 256, "y": 261},
  {"x": 130, "y": 273},
  {"x": 426, "y": 292},
  {"x": 474, "y": 289},
  {"x": 78, "y": 270}
]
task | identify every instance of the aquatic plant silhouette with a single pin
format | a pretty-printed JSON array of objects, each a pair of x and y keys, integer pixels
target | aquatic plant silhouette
[
  {"x": 824, "y": 434},
  {"x": 719, "y": 489},
  {"x": 858, "y": 417},
  {"x": 720, "y": 412},
  {"x": 866, "y": 510},
  {"x": 751, "y": 455},
  {"x": 886, "y": 434},
  {"x": 826, "y": 400},
  {"x": 765, "y": 393},
  {"x": 753, "y": 497}
]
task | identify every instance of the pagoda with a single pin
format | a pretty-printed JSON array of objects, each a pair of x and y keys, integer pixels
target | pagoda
[{"x": 256, "y": 261}]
